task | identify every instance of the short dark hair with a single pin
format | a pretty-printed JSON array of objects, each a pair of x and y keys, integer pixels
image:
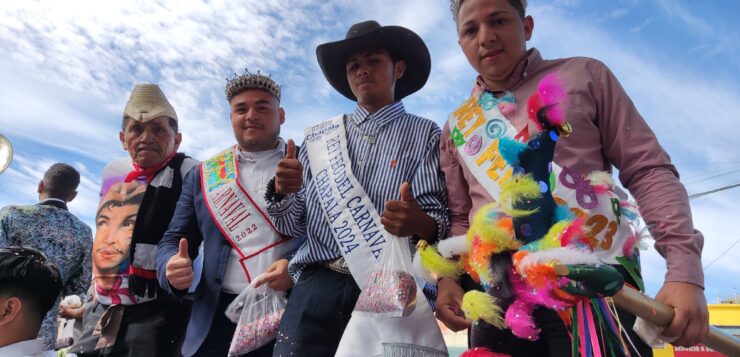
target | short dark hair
[
  {"x": 26, "y": 274},
  {"x": 130, "y": 197},
  {"x": 173, "y": 124},
  {"x": 456, "y": 4},
  {"x": 61, "y": 181}
]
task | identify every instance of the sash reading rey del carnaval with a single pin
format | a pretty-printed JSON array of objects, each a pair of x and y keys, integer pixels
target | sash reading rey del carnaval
[
  {"x": 544, "y": 216},
  {"x": 242, "y": 222},
  {"x": 355, "y": 226}
]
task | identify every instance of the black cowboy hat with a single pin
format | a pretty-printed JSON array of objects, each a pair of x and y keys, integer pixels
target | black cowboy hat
[{"x": 402, "y": 43}]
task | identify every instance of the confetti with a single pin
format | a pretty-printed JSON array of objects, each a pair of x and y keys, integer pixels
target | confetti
[
  {"x": 251, "y": 335},
  {"x": 388, "y": 294}
]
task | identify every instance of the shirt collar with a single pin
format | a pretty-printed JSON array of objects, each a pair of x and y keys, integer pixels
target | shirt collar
[
  {"x": 51, "y": 201},
  {"x": 383, "y": 116},
  {"x": 254, "y": 155},
  {"x": 33, "y": 347},
  {"x": 529, "y": 64}
]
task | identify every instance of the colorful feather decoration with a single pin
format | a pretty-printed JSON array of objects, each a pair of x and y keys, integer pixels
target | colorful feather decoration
[
  {"x": 518, "y": 188},
  {"x": 453, "y": 247},
  {"x": 479, "y": 305},
  {"x": 510, "y": 150},
  {"x": 552, "y": 96},
  {"x": 482, "y": 352},
  {"x": 436, "y": 264}
]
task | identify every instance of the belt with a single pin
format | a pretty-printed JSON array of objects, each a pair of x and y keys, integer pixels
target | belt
[{"x": 338, "y": 265}]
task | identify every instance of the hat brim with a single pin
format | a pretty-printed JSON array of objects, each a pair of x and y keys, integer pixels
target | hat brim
[{"x": 401, "y": 42}]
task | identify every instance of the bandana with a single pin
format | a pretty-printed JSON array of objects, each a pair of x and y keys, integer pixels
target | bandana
[{"x": 148, "y": 172}]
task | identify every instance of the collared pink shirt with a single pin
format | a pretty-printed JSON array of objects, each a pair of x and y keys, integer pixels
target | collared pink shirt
[{"x": 607, "y": 132}]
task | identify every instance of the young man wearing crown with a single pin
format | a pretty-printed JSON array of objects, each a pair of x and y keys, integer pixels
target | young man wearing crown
[
  {"x": 361, "y": 180},
  {"x": 222, "y": 207},
  {"x": 131, "y": 315},
  {"x": 492, "y": 34}
]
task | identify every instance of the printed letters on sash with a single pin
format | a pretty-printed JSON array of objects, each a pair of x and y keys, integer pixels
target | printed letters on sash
[
  {"x": 356, "y": 227},
  {"x": 238, "y": 217},
  {"x": 475, "y": 132}
]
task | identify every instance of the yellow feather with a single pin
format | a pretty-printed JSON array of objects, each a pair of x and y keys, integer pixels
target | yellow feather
[
  {"x": 486, "y": 226},
  {"x": 479, "y": 305},
  {"x": 517, "y": 189},
  {"x": 552, "y": 238},
  {"x": 438, "y": 265}
]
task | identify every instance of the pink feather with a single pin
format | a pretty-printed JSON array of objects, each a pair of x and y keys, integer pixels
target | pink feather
[
  {"x": 571, "y": 232},
  {"x": 531, "y": 296},
  {"x": 629, "y": 245},
  {"x": 520, "y": 321},
  {"x": 482, "y": 352},
  {"x": 551, "y": 90},
  {"x": 553, "y": 97},
  {"x": 601, "y": 189}
]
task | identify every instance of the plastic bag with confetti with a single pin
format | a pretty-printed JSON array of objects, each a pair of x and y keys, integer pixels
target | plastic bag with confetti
[
  {"x": 390, "y": 290},
  {"x": 257, "y": 313}
]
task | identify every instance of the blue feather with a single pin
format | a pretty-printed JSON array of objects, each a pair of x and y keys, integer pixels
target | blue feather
[
  {"x": 563, "y": 213},
  {"x": 510, "y": 150}
]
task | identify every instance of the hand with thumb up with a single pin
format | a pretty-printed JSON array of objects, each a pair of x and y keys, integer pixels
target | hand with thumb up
[
  {"x": 289, "y": 173},
  {"x": 180, "y": 268},
  {"x": 405, "y": 218}
]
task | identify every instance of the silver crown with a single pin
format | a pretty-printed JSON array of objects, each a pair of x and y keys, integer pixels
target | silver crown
[{"x": 250, "y": 80}]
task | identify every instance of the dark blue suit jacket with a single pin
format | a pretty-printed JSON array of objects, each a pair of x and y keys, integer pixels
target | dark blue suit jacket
[{"x": 193, "y": 222}]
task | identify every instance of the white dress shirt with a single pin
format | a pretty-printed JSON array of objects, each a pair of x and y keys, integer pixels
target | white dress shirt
[{"x": 255, "y": 170}]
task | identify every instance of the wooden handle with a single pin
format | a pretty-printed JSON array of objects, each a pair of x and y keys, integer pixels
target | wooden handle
[{"x": 661, "y": 315}]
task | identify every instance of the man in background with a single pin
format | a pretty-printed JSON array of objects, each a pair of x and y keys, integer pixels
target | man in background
[{"x": 49, "y": 227}]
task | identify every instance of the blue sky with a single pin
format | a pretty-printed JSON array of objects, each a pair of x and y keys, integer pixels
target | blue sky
[{"x": 68, "y": 66}]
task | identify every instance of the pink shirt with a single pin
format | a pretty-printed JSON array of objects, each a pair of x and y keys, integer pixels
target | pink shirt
[{"x": 607, "y": 131}]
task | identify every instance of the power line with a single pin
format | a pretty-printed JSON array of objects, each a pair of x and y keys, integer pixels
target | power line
[
  {"x": 721, "y": 255},
  {"x": 700, "y": 179},
  {"x": 727, "y": 187}
]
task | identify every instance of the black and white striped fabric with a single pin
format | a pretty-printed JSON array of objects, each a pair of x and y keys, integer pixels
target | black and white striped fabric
[{"x": 386, "y": 148}]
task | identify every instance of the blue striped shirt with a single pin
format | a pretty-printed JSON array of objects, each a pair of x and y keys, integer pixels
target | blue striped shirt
[{"x": 406, "y": 149}]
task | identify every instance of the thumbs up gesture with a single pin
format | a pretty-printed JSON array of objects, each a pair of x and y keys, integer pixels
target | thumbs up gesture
[
  {"x": 289, "y": 173},
  {"x": 404, "y": 217},
  {"x": 180, "y": 268}
]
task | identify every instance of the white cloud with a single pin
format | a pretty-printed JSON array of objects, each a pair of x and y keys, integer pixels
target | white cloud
[
  {"x": 21, "y": 180},
  {"x": 71, "y": 66},
  {"x": 678, "y": 11}
]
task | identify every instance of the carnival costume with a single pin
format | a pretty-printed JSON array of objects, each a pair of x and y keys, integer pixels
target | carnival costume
[{"x": 545, "y": 216}]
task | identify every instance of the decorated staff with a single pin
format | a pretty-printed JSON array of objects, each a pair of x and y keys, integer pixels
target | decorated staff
[
  {"x": 138, "y": 194},
  {"x": 513, "y": 245},
  {"x": 362, "y": 185},
  {"x": 492, "y": 34},
  {"x": 222, "y": 208}
]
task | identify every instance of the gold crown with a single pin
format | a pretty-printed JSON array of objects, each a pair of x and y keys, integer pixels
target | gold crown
[{"x": 250, "y": 80}]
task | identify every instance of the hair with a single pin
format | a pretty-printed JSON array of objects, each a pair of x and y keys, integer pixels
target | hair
[
  {"x": 61, "y": 181},
  {"x": 128, "y": 195},
  {"x": 518, "y": 5},
  {"x": 25, "y": 273},
  {"x": 173, "y": 124}
]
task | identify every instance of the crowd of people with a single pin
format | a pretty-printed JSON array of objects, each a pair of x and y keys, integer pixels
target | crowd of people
[{"x": 178, "y": 241}]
